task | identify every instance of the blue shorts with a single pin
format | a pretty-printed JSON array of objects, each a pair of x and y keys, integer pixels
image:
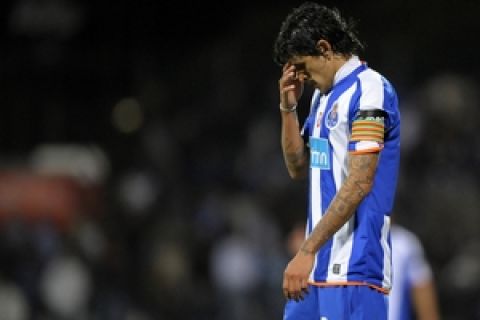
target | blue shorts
[{"x": 339, "y": 303}]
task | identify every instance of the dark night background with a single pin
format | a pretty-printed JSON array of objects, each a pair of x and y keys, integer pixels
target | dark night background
[{"x": 141, "y": 175}]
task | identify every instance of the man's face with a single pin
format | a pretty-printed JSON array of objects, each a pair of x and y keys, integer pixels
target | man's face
[{"x": 314, "y": 70}]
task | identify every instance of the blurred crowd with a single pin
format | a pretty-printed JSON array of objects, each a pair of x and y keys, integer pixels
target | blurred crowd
[{"x": 141, "y": 175}]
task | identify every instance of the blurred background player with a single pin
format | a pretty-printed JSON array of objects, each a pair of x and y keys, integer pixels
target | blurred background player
[{"x": 413, "y": 294}]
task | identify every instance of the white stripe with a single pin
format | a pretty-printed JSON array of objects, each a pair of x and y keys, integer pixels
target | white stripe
[
  {"x": 316, "y": 205},
  {"x": 387, "y": 268},
  {"x": 316, "y": 194},
  {"x": 340, "y": 136},
  {"x": 366, "y": 145},
  {"x": 315, "y": 94},
  {"x": 342, "y": 243},
  {"x": 371, "y": 84}
]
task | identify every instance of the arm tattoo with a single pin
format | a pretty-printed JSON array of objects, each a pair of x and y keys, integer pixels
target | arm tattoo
[
  {"x": 295, "y": 158},
  {"x": 356, "y": 186},
  {"x": 297, "y": 164},
  {"x": 294, "y": 151}
]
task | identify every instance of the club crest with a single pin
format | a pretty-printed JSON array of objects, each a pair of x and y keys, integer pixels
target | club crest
[{"x": 331, "y": 119}]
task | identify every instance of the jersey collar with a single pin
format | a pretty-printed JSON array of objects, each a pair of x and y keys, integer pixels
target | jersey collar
[{"x": 347, "y": 68}]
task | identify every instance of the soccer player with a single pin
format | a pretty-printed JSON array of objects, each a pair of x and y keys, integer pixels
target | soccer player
[
  {"x": 348, "y": 148},
  {"x": 413, "y": 294}
]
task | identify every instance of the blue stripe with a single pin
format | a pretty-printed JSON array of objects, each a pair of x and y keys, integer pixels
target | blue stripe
[
  {"x": 310, "y": 217},
  {"x": 354, "y": 104},
  {"x": 353, "y": 108},
  {"x": 368, "y": 224},
  {"x": 367, "y": 252}
]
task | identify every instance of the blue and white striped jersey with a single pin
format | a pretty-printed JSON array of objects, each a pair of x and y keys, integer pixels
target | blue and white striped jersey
[{"x": 359, "y": 114}]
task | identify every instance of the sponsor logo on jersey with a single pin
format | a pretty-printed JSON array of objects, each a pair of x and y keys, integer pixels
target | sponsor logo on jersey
[{"x": 319, "y": 153}]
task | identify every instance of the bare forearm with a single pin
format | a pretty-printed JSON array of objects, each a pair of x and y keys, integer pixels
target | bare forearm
[
  {"x": 356, "y": 186},
  {"x": 294, "y": 153},
  {"x": 425, "y": 301}
]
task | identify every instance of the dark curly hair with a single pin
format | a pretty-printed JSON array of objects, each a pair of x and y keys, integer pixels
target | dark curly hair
[{"x": 309, "y": 23}]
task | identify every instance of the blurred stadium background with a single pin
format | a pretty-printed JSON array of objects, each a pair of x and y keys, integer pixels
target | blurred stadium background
[{"x": 141, "y": 174}]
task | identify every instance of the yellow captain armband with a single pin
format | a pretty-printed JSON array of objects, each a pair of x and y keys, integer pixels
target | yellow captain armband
[{"x": 369, "y": 125}]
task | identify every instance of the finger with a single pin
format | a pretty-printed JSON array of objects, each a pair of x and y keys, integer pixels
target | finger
[
  {"x": 304, "y": 289},
  {"x": 288, "y": 287},
  {"x": 288, "y": 77},
  {"x": 286, "y": 89},
  {"x": 290, "y": 72},
  {"x": 296, "y": 296},
  {"x": 295, "y": 288},
  {"x": 286, "y": 66},
  {"x": 305, "y": 285},
  {"x": 291, "y": 75}
]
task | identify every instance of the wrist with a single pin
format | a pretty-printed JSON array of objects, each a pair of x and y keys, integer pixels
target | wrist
[
  {"x": 290, "y": 109},
  {"x": 306, "y": 251}
]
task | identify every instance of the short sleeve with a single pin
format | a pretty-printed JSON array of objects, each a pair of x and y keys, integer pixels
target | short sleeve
[{"x": 370, "y": 117}]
